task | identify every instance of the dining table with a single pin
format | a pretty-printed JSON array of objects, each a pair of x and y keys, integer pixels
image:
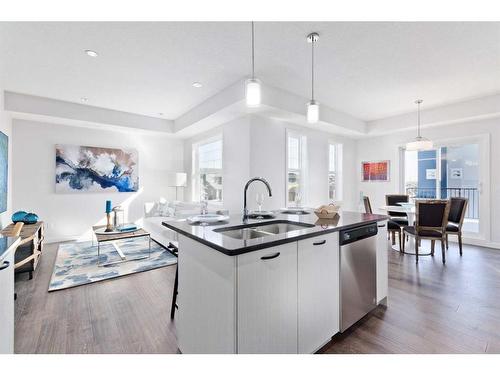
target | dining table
[{"x": 409, "y": 210}]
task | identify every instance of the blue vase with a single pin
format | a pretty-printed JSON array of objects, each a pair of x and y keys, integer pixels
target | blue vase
[
  {"x": 30, "y": 218},
  {"x": 19, "y": 216}
]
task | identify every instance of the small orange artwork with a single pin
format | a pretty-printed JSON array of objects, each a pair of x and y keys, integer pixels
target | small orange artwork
[{"x": 375, "y": 171}]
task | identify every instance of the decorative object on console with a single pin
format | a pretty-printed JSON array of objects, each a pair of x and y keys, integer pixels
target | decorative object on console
[
  {"x": 30, "y": 218},
  {"x": 24, "y": 217},
  {"x": 375, "y": 171},
  {"x": 177, "y": 180},
  {"x": 17, "y": 217},
  {"x": 95, "y": 169},
  {"x": 4, "y": 174}
]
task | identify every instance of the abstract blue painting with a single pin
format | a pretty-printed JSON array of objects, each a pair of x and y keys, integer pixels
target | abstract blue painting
[
  {"x": 96, "y": 169},
  {"x": 4, "y": 163}
]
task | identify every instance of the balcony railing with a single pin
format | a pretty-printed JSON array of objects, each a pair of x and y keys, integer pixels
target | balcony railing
[{"x": 472, "y": 194}]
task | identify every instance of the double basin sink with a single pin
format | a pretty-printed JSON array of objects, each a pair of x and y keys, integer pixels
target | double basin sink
[{"x": 269, "y": 228}]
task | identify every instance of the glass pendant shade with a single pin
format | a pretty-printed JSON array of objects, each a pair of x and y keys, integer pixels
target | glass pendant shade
[
  {"x": 419, "y": 144},
  {"x": 312, "y": 112},
  {"x": 252, "y": 92}
]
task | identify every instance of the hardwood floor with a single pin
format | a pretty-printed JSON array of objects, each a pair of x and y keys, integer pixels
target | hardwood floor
[
  {"x": 125, "y": 315},
  {"x": 432, "y": 309}
]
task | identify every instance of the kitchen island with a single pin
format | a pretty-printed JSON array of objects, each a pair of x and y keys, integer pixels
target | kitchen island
[{"x": 266, "y": 286}]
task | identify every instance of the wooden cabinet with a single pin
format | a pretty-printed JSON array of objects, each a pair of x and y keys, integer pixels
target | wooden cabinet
[
  {"x": 382, "y": 263},
  {"x": 267, "y": 300},
  {"x": 318, "y": 291}
]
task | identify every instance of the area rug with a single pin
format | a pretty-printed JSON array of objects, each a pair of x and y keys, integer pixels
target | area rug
[{"x": 76, "y": 263}]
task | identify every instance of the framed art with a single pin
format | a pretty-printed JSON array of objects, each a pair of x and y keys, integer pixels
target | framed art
[
  {"x": 375, "y": 171},
  {"x": 96, "y": 169}
]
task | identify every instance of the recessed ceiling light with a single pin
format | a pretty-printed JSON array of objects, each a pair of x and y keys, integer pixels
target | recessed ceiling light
[
  {"x": 84, "y": 99},
  {"x": 91, "y": 53},
  {"x": 197, "y": 85}
]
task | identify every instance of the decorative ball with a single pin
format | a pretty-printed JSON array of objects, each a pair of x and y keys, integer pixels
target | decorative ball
[
  {"x": 19, "y": 216},
  {"x": 30, "y": 218}
]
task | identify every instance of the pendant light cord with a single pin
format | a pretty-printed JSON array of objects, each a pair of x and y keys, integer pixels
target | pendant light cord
[
  {"x": 312, "y": 70},
  {"x": 253, "y": 53}
]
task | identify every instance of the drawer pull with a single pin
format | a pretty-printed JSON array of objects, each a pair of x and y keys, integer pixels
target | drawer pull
[
  {"x": 319, "y": 243},
  {"x": 267, "y": 257},
  {"x": 5, "y": 265}
]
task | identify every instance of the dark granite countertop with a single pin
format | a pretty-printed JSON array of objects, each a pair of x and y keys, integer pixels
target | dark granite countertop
[
  {"x": 7, "y": 244},
  {"x": 232, "y": 246}
]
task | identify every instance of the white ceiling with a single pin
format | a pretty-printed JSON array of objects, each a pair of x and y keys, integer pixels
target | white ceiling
[{"x": 368, "y": 70}]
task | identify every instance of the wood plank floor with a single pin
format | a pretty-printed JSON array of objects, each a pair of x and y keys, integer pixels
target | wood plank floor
[{"x": 432, "y": 309}]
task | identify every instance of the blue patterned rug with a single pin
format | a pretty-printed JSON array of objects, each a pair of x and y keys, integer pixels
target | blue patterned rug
[{"x": 76, "y": 263}]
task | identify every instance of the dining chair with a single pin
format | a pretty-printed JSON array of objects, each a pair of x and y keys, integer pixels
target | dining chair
[
  {"x": 430, "y": 223},
  {"x": 397, "y": 220},
  {"x": 395, "y": 200},
  {"x": 458, "y": 207},
  {"x": 368, "y": 206}
]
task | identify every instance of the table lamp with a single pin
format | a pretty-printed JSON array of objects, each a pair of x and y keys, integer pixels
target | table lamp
[{"x": 177, "y": 180}]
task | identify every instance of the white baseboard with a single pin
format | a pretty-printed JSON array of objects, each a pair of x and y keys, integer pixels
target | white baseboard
[
  {"x": 63, "y": 239},
  {"x": 481, "y": 242}
]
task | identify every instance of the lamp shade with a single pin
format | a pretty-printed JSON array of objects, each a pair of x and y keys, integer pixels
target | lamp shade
[
  {"x": 178, "y": 179},
  {"x": 312, "y": 112},
  {"x": 419, "y": 144},
  {"x": 252, "y": 92}
]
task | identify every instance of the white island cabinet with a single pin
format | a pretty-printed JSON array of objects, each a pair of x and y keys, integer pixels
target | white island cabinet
[
  {"x": 318, "y": 291},
  {"x": 267, "y": 300},
  {"x": 281, "y": 299}
]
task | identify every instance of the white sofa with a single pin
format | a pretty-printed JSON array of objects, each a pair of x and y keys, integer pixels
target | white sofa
[{"x": 157, "y": 212}]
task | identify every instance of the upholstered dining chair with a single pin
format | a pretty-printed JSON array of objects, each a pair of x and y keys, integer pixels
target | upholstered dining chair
[
  {"x": 430, "y": 223},
  {"x": 397, "y": 220},
  {"x": 458, "y": 207}
]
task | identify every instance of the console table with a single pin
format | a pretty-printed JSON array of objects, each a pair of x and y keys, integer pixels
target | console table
[{"x": 30, "y": 248}]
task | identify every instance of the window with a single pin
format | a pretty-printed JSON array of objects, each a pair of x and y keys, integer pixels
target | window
[
  {"x": 296, "y": 168},
  {"x": 335, "y": 172},
  {"x": 207, "y": 170}
]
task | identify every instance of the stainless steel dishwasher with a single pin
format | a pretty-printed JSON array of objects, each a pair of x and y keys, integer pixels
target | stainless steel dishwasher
[{"x": 358, "y": 273}]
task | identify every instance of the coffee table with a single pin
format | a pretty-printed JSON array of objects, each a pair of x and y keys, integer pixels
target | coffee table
[{"x": 116, "y": 237}]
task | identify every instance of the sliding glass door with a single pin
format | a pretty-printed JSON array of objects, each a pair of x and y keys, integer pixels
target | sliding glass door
[{"x": 452, "y": 169}]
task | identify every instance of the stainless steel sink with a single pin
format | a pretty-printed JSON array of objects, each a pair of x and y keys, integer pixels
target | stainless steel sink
[{"x": 270, "y": 228}]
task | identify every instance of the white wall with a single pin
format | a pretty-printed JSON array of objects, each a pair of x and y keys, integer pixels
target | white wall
[
  {"x": 235, "y": 163},
  {"x": 256, "y": 146},
  {"x": 6, "y": 128},
  {"x": 386, "y": 147},
  {"x": 268, "y": 159},
  {"x": 70, "y": 216}
]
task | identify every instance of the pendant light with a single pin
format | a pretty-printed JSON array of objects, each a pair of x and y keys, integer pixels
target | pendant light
[
  {"x": 312, "y": 105},
  {"x": 252, "y": 85},
  {"x": 420, "y": 143}
]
